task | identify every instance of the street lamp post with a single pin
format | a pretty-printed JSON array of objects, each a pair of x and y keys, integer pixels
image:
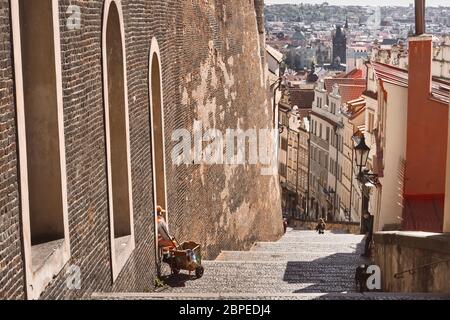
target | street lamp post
[
  {"x": 362, "y": 154},
  {"x": 364, "y": 177}
]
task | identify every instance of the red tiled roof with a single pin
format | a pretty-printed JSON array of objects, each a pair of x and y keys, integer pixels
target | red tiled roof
[
  {"x": 302, "y": 98},
  {"x": 354, "y": 108},
  {"x": 329, "y": 83},
  {"x": 295, "y": 77},
  {"x": 304, "y": 113},
  {"x": 350, "y": 92},
  {"x": 356, "y": 102},
  {"x": 340, "y": 75},
  {"x": 440, "y": 89},
  {"x": 355, "y": 74},
  {"x": 354, "y": 77},
  {"x": 360, "y": 130}
]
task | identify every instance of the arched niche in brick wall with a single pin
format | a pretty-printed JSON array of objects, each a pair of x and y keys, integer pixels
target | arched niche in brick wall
[
  {"x": 117, "y": 136},
  {"x": 41, "y": 142},
  {"x": 157, "y": 133}
]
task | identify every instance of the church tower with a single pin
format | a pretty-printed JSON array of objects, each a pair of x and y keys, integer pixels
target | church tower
[{"x": 339, "y": 46}]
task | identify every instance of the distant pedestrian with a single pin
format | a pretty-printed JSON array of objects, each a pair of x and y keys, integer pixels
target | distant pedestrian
[
  {"x": 285, "y": 224},
  {"x": 367, "y": 229},
  {"x": 321, "y": 226}
]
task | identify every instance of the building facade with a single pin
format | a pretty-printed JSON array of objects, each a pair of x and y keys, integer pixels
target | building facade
[
  {"x": 393, "y": 93},
  {"x": 320, "y": 204},
  {"x": 331, "y": 154},
  {"x": 354, "y": 113},
  {"x": 294, "y": 112},
  {"x": 411, "y": 155},
  {"x": 297, "y": 165}
]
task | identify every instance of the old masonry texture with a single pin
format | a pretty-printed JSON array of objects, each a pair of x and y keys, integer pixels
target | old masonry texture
[{"x": 213, "y": 70}]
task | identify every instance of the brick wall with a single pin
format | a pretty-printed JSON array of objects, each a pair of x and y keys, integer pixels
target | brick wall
[
  {"x": 211, "y": 71},
  {"x": 11, "y": 263}
]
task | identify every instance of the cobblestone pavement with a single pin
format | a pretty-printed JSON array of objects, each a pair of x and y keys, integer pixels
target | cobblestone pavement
[{"x": 301, "y": 266}]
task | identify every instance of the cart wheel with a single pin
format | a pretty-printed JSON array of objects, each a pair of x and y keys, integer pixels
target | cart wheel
[
  {"x": 199, "y": 272},
  {"x": 175, "y": 271}
]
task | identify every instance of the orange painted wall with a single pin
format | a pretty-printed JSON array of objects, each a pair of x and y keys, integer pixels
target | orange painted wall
[{"x": 426, "y": 151}]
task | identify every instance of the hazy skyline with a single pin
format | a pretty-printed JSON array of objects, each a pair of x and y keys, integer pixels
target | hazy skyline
[{"x": 433, "y": 3}]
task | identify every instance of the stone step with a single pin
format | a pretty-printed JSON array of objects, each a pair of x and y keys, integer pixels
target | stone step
[
  {"x": 265, "y": 277},
  {"x": 320, "y": 257},
  {"x": 329, "y": 248},
  {"x": 327, "y": 237},
  {"x": 307, "y": 233},
  {"x": 268, "y": 296},
  {"x": 301, "y": 266}
]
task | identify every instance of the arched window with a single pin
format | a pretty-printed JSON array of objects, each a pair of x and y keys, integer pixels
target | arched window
[
  {"x": 157, "y": 129},
  {"x": 37, "y": 60},
  {"x": 117, "y": 136}
]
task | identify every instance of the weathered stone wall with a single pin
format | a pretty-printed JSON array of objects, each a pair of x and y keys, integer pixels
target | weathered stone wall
[
  {"x": 399, "y": 252},
  {"x": 212, "y": 70}
]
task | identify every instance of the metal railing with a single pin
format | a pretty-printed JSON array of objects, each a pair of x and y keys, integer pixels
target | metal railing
[{"x": 400, "y": 275}]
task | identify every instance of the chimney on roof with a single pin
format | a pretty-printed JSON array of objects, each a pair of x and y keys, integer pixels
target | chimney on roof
[{"x": 420, "y": 17}]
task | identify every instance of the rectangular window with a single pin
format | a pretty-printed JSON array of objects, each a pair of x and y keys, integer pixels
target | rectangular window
[
  {"x": 371, "y": 122},
  {"x": 284, "y": 144}
]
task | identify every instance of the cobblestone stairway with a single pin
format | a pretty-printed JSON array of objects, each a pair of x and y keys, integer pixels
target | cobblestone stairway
[{"x": 301, "y": 266}]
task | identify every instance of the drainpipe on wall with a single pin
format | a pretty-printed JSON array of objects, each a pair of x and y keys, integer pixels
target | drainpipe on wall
[
  {"x": 308, "y": 193},
  {"x": 337, "y": 169},
  {"x": 351, "y": 186}
]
